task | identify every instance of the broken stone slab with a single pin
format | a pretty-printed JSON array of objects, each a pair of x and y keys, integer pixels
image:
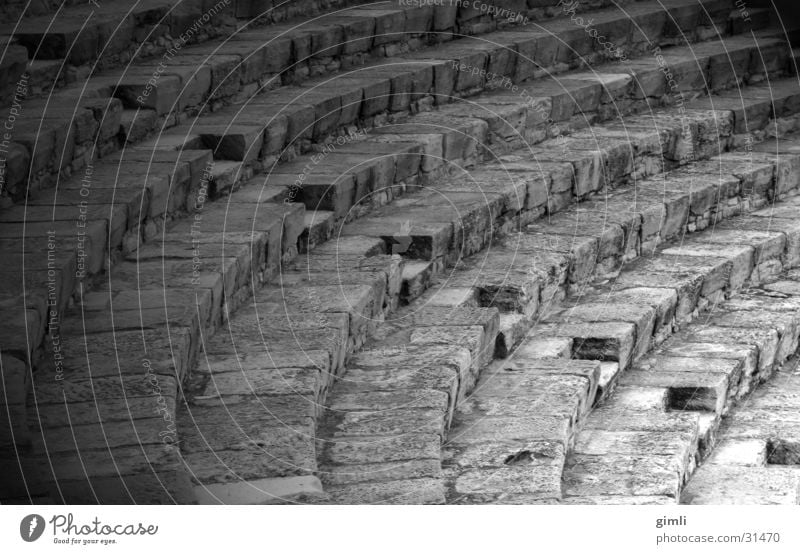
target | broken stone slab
[
  {"x": 643, "y": 317},
  {"x": 500, "y": 282},
  {"x": 594, "y": 341},
  {"x": 695, "y": 391}
]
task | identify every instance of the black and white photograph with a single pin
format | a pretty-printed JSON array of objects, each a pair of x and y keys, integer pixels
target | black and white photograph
[{"x": 283, "y": 260}]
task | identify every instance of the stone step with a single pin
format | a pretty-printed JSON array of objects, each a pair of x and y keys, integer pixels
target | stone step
[
  {"x": 367, "y": 300},
  {"x": 397, "y": 341},
  {"x": 113, "y": 37},
  {"x": 199, "y": 78},
  {"x": 757, "y": 444},
  {"x": 362, "y": 180},
  {"x": 636, "y": 319},
  {"x": 202, "y": 76},
  {"x": 510, "y": 438},
  {"x": 339, "y": 474},
  {"x": 113, "y": 34},
  {"x": 706, "y": 369},
  {"x": 340, "y": 202},
  {"x": 194, "y": 179},
  {"x": 640, "y": 219},
  {"x": 458, "y": 68}
]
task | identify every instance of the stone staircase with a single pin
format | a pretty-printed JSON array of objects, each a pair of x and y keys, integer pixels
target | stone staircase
[{"x": 281, "y": 281}]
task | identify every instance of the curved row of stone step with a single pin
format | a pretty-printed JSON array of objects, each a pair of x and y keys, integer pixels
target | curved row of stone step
[
  {"x": 106, "y": 36},
  {"x": 637, "y": 447},
  {"x": 586, "y": 163},
  {"x": 676, "y": 361},
  {"x": 502, "y": 202},
  {"x": 156, "y": 92},
  {"x": 755, "y": 459},
  {"x": 459, "y": 68},
  {"x": 523, "y": 290},
  {"x": 236, "y": 270},
  {"x": 178, "y": 181},
  {"x": 305, "y": 301},
  {"x": 492, "y": 447},
  {"x": 189, "y": 79},
  {"x": 147, "y": 208},
  {"x": 619, "y": 321}
]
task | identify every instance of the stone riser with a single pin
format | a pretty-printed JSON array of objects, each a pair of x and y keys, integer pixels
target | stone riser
[
  {"x": 619, "y": 164},
  {"x": 90, "y": 48},
  {"x": 755, "y": 460},
  {"x": 221, "y": 78},
  {"x": 342, "y": 493},
  {"x": 194, "y": 173},
  {"x": 533, "y": 351},
  {"x": 355, "y": 346},
  {"x": 741, "y": 362},
  {"x": 153, "y": 223},
  {"x": 502, "y": 59},
  {"x": 459, "y": 395}
]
